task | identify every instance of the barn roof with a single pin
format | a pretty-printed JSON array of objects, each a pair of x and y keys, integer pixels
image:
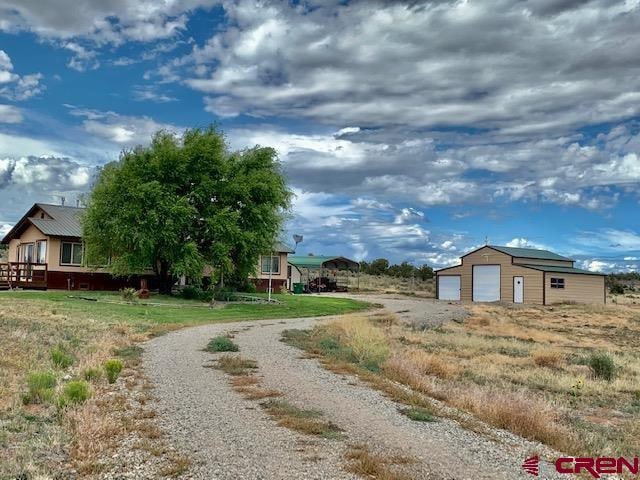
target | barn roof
[
  {"x": 558, "y": 269},
  {"x": 320, "y": 261},
  {"x": 529, "y": 253}
]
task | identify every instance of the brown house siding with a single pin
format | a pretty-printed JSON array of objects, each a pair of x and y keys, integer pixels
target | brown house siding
[{"x": 578, "y": 288}]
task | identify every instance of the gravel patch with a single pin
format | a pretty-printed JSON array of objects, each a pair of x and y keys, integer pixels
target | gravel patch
[
  {"x": 420, "y": 313},
  {"x": 229, "y": 437}
]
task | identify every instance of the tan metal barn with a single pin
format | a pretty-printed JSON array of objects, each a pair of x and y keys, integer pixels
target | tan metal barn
[{"x": 518, "y": 275}]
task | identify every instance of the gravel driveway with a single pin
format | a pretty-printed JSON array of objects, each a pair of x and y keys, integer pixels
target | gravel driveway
[{"x": 229, "y": 437}]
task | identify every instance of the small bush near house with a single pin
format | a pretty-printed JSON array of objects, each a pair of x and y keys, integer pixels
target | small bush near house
[
  {"x": 225, "y": 294},
  {"x": 75, "y": 392},
  {"x": 192, "y": 292},
  {"x": 40, "y": 387},
  {"x": 221, "y": 344},
  {"x": 113, "y": 368},
  {"x": 61, "y": 358},
  {"x": 602, "y": 366},
  {"x": 129, "y": 295}
]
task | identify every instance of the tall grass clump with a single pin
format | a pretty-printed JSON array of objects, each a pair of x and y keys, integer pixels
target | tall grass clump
[
  {"x": 602, "y": 366},
  {"x": 60, "y": 357},
  {"x": 75, "y": 392},
  {"x": 113, "y": 367},
  {"x": 221, "y": 344},
  {"x": 40, "y": 387},
  {"x": 366, "y": 343}
]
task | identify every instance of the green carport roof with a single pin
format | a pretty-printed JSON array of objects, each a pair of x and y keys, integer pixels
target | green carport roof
[{"x": 319, "y": 261}]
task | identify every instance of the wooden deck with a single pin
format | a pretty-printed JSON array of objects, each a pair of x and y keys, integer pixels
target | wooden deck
[{"x": 23, "y": 275}]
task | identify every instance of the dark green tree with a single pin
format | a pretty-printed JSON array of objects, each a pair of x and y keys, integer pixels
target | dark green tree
[
  {"x": 180, "y": 204},
  {"x": 379, "y": 266}
]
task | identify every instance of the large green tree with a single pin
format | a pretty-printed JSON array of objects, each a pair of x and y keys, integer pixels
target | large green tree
[{"x": 183, "y": 203}]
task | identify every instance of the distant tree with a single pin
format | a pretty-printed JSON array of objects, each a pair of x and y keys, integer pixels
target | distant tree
[
  {"x": 379, "y": 266},
  {"x": 178, "y": 205},
  {"x": 425, "y": 272}
]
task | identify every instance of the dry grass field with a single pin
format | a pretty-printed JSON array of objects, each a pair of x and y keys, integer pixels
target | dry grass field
[
  {"x": 567, "y": 376},
  {"x": 59, "y": 413}
]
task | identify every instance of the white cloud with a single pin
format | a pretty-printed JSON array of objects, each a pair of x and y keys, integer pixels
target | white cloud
[
  {"x": 598, "y": 266},
  {"x": 83, "y": 58},
  {"x": 120, "y": 129},
  {"x": 98, "y": 20},
  {"x": 10, "y": 114},
  {"x": 443, "y": 63},
  {"x": 16, "y": 87},
  {"x": 524, "y": 243},
  {"x": 150, "y": 93}
]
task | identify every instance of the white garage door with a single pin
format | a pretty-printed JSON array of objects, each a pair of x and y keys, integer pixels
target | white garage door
[
  {"x": 449, "y": 287},
  {"x": 486, "y": 283}
]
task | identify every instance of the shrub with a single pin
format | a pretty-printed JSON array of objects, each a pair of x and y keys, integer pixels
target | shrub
[
  {"x": 61, "y": 358},
  {"x": 225, "y": 294},
  {"x": 40, "y": 387},
  {"x": 192, "y": 292},
  {"x": 113, "y": 368},
  {"x": 236, "y": 366},
  {"x": 221, "y": 344},
  {"x": 75, "y": 392},
  {"x": 129, "y": 295},
  {"x": 602, "y": 366},
  {"x": 616, "y": 289},
  {"x": 418, "y": 414},
  {"x": 91, "y": 374}
]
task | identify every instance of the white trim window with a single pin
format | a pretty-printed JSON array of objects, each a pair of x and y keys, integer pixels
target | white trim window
[
  {"x": 71, "y": 253},
  {"x": 41, "y": 251},
  {"x": 275, "y": 264},
  {"x": 557, "y": 282}
]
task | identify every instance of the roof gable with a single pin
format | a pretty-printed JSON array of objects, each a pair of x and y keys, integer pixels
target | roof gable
[{"x": 63, "y": 221}]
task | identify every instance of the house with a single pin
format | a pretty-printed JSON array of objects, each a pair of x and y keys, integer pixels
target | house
[
  {"x": 276, "y": 263},
  {"x": 46, "y": 251},
  {"x": 518, "y": 275}
]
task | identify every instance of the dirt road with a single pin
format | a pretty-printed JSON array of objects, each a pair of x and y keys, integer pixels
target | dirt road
[{"x": 231, "y": 438}]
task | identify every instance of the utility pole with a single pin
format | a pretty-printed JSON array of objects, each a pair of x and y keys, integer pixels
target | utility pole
[{"x": 270, "y": 272}]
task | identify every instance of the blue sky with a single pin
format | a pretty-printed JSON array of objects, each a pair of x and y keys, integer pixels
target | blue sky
[{"x": 410, "y": 131}]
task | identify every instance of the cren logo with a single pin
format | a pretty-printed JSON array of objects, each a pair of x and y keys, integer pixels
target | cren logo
[{"x": 531, "y": 465}]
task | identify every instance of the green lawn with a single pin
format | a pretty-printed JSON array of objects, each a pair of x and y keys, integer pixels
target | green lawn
[{"x": 178, "y": 310}]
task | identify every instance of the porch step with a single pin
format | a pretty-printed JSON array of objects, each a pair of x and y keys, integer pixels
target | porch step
[{"x": 4, "y": 286}]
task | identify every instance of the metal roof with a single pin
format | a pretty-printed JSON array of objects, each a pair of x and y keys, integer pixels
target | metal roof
[
  {"x": 282, "y": 247},
  {"x": 557, "y": 269},
  {"x": 64, "y": 221},
  {"x": 318, "y": 261},
  {"x": 529, "y": 253}
]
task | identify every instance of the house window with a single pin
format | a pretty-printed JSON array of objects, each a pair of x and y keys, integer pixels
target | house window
[
  {"x": 557, "y": 282},
  {"x": 273, "y": 262},
  {"x": 71, "y": 253},
  {"x": 27, "y": 252},
  {"x": 41, "y": 251}
]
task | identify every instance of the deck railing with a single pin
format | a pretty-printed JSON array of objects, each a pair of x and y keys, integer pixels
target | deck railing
[{"x": 23, "y": 274}]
